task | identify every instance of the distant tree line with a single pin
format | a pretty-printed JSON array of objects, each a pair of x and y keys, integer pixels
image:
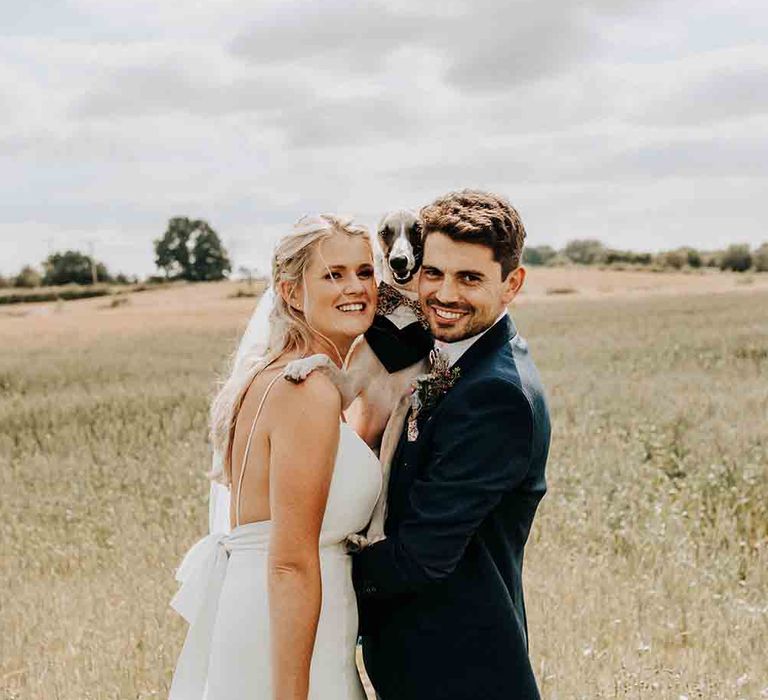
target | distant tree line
[
  {"x": 189, "y": 250},
  {"x": 738, "y": 257},
  {"x": 66, "y": 267}
]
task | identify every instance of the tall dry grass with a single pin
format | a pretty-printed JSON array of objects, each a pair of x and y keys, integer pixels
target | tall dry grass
[{"x": 646, "y": 573}]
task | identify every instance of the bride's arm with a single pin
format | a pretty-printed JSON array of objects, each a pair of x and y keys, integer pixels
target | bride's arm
[{"x": 303, "y": 444}]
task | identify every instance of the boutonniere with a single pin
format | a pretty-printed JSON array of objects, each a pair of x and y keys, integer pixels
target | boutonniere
[{"x": 429, "y": 389}]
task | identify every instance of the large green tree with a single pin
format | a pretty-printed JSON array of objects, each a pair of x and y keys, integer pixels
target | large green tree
[
  {"x": 72, "y": 266},
  {"x": 190, "y": 249}
]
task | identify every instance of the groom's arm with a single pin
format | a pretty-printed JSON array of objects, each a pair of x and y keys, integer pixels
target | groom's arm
[{"x": 482, "y": 448}]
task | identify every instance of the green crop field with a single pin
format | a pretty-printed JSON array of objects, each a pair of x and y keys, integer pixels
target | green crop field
[{"x": 646, "y": 573}]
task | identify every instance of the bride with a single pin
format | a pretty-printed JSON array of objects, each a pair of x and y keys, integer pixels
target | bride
[{"x": 270, "y": 603}]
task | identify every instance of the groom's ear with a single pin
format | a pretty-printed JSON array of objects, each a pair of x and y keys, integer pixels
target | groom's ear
[
  {"x": 513, "y": 284},
  {"x": 291, "y": 294}
]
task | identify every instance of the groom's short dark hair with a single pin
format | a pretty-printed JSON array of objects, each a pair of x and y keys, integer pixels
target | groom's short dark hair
[{"x": 473, "y": 216}]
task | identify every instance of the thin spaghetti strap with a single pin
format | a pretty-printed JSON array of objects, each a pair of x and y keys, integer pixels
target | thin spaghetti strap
[{"x": 248, "y": 447}]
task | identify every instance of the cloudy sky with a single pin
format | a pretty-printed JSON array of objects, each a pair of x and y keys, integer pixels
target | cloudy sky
[{"x": 640, "y": 122}]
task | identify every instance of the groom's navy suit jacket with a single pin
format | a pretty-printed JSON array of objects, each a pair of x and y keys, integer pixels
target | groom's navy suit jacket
[{"x": 441, "y": 599}]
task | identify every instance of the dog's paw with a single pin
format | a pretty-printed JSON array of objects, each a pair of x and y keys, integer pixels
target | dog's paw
[
  {"x": 298, "y": 370},
  {"x": 356, "y": 543}
]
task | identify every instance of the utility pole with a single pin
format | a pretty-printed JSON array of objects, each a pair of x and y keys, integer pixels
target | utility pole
[{"x": 94, "y": 271}]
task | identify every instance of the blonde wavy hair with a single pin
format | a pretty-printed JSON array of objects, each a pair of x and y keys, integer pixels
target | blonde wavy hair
[{"x": 289, "y": 330}]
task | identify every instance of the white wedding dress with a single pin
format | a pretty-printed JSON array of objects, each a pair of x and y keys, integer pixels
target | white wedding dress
[{"x": 223, "y": 595}]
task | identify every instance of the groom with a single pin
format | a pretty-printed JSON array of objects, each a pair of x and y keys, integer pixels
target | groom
[{"x": 441, "y": 598}]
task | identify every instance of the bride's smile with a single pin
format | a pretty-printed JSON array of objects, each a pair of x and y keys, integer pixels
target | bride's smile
[{"x": 338, "y": 293}]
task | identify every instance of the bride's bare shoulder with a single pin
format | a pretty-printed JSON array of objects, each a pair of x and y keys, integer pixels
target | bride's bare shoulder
[
  {"x": 315, "y": 395},
  {"x": 316, "y": 390}
]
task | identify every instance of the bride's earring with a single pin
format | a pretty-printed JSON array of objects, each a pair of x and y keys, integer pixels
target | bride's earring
[{"x": 289, "y": 292}]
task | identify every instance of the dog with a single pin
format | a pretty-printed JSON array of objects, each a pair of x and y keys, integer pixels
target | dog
[{"x": 378, "y": 374}]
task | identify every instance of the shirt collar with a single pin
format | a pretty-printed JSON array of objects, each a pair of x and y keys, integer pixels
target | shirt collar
[{"x": 454, "y": 351}]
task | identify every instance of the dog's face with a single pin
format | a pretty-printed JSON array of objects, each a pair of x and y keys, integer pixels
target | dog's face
[{"x": 400, "y": 239}]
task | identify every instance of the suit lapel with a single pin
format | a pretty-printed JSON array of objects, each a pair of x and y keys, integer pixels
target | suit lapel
[{"x": 498, "y": 335}]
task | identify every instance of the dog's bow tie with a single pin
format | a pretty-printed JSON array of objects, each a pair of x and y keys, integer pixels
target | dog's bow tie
[{"x": 391, "y": 299}]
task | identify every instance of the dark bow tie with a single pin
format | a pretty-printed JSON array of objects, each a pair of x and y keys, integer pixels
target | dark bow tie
[{"x": 391, "y": 299}]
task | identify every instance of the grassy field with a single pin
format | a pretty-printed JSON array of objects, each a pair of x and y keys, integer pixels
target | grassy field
[{"x": 647, "y": 571}]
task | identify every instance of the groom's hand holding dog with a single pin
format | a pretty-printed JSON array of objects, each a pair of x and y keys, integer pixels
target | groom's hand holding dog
[{"x": 441, "y": 598}]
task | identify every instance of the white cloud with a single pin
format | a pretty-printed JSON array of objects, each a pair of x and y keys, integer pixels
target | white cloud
[
  {"x": 352, "y": 36},
  {"x": 632, "y": 121}
]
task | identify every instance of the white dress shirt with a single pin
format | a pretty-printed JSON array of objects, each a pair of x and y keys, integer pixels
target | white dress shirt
[{"x": 455, "y": 350}]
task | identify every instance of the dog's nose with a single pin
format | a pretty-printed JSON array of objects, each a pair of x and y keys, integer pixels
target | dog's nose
[{"x": 399, "y": 263}]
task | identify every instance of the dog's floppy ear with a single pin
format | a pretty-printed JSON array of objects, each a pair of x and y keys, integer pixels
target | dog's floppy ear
[
  {"x": 382, "y": 228},
  {"x": 418, "y": 243},
  {"x": 418, "y": 229}
]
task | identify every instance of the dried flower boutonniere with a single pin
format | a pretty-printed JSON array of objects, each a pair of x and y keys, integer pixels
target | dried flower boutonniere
[{"x": 428, "y": 389}]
